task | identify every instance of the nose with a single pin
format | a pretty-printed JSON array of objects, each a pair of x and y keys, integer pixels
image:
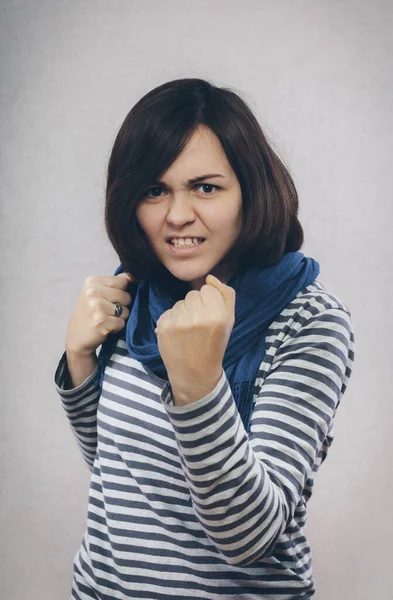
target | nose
[{"x": 180, "y": 210}]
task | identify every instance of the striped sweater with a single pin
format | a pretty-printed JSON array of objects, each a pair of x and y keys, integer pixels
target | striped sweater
[{"x": 183, "y": 503}]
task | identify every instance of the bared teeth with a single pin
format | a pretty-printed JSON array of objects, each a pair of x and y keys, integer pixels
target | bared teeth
[{"x": 179, "y": 244}]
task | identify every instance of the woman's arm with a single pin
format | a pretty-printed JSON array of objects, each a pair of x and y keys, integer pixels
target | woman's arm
[
  {"x": 245, "y": 490},
  {"x": 80, "y": 404},
  {"x": 79, "y": 369}
]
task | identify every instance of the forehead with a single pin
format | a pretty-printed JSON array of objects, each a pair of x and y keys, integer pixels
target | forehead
[{"x": 203, "y": 151}]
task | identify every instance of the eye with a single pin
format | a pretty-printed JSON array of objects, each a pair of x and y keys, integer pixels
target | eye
[
  {"x": 151, "y": 193},
  {"x": 207, "y": 185},
  {"x": 154, "y": 189}
]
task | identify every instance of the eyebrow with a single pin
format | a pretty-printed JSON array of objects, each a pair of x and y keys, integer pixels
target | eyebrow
[{"x": 196, "y": 179}]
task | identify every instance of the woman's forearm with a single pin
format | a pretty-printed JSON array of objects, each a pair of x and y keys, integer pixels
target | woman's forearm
[{"x": 79, "y": 368}]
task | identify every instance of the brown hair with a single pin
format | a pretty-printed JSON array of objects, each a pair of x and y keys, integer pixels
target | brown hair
[{"x": 154, "y": 133}]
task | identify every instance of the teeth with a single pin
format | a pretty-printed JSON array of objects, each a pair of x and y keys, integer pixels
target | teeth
[{"x": 185, "y": 242}]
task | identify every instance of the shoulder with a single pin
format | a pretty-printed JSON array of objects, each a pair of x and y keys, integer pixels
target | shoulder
[
  {"x": 318, "y": 298},
  {"x": 312, "y": 304},
  {"x": 315, "y": 323}
]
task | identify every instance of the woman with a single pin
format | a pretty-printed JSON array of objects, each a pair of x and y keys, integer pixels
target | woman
[{"x": 206, "y": 421}]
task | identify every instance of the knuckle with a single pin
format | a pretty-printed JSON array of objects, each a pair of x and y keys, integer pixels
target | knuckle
[
  {"x": 90, "y": 280},
  {"x": 89, "y": 291},
  {"x": 104, "y": 331},
  {"x": 98, "y": 317}
]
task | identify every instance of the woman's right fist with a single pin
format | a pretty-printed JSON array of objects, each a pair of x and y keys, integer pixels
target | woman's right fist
[{"x": 92, "y": 319}]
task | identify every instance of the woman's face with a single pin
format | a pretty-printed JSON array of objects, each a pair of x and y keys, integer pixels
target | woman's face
[{"x": 210, "y": 208}]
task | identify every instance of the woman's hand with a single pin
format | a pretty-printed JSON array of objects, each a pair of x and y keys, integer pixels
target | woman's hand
[
  {"x": 192, "y": 338},
  {"x": 92, "y": 319}
]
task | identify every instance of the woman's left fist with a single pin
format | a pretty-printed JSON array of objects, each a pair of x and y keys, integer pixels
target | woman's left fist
[{"x": 193, "y": 335}]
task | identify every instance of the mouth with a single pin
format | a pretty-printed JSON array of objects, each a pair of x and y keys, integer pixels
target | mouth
[
  {"x": 185, "y": 250},
  {"x": 168, "y": 240}
]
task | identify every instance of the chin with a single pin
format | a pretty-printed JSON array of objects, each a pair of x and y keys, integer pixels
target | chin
[{"x": 190, "y": 277}]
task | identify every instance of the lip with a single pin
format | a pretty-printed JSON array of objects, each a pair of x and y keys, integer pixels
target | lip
[{"x": 185, "y": 251}]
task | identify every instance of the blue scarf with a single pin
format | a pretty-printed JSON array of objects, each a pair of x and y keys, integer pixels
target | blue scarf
[{"x": 261, "y": 295}]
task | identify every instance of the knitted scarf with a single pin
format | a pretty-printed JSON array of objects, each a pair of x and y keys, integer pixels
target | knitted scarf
[{"x": 261, "y": 295}]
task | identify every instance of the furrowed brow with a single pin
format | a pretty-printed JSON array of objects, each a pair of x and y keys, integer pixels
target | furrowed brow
[
  {"x": 203, "y": 177},
  {"x": 195, "y": 179}
]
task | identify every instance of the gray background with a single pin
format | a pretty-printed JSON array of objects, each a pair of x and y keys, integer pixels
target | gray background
[{"x": 318, "y": 74}]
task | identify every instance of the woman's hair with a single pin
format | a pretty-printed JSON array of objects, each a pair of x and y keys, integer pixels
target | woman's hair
[{"x": 155, "y": 132}]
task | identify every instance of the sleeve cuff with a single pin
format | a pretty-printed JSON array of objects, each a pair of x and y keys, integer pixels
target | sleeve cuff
[
  {"x": 62, "y": 374},
  {"x": 167, "y": 398}
]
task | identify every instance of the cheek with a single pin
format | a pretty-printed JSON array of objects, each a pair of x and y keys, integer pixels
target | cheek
[{"x": 231, "y": 223}]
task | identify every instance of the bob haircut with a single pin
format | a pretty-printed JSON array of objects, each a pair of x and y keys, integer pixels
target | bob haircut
[{"x": 151, "y": 137}]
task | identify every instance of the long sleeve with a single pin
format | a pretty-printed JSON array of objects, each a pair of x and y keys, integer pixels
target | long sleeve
[
  {"x": 80, "y": 405},
  {"x": 244, "y": 488}
]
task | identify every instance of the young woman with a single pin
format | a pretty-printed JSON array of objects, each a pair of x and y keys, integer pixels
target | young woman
[{"x": 206, "y": 425}]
